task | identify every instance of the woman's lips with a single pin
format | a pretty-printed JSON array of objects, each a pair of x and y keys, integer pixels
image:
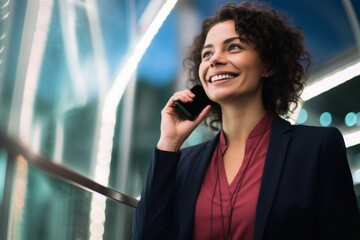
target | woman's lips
[{"x": 220, "y": 77}]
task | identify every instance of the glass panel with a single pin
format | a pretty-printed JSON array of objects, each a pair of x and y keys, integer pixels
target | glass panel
[
  {"x": 356, "y": 5},
  {"x": 45, "y": 207},
  {"x": 140, "y": 7},
  {"x": 11, "y": 26},
  {"x": 3, "y": 158},
  {"x": 65, "y": 56},
  {"x": 6, "y": 188}
]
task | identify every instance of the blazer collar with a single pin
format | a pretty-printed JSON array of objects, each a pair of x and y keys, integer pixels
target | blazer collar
[{"x": 275, "y": 157}]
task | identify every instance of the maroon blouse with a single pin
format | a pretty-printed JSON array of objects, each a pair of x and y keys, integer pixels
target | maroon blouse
[{"x": 213, "y": 204}]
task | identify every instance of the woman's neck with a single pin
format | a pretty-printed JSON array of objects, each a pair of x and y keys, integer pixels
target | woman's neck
[{"x": 238, "y": 122}]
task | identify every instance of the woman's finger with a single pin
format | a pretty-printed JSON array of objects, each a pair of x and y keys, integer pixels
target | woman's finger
[
  {"x": 182, "y": 96},
  {"x": 202, "y": 114}
]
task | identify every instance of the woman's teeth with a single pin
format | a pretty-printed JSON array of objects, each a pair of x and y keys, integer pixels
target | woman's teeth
[{"x": 221, "y": 77}]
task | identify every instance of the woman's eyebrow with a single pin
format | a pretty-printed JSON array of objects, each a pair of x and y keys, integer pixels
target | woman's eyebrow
[
  {"x": 226, "y": 41},
  {"x": 229, "y": 40}
]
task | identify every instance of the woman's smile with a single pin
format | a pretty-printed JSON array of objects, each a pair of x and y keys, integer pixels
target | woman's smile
[{"x": 221, "y": 77}]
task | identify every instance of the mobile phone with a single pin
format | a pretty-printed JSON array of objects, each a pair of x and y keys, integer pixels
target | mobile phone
[{"x": 190, "y": 110}]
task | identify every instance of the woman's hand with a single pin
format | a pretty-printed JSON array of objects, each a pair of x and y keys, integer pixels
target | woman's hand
[{"x": 175, "y": 128}]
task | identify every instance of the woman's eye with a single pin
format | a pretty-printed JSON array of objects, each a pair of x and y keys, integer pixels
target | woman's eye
[
  {"x": 206, "y": 55},
  {"x": 234, "y": 47}
]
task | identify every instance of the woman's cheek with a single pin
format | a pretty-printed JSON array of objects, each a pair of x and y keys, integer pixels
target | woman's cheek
[{"x": 202, "y": 73}]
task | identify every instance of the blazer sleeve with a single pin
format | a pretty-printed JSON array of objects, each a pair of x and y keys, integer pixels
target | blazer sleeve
[
  {"x": 337, "y": 211},
  {"x": 153, "y": 216}
]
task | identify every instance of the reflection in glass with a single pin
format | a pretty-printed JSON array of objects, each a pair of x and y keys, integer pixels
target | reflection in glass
[{"x": 45, "y": 207}]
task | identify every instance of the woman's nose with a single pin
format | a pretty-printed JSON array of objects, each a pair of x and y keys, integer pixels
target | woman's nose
[{"x": 217, "y": 59}]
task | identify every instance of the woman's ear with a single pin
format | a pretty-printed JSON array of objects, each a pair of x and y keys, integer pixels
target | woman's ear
[{"x": 268, "y": 72}]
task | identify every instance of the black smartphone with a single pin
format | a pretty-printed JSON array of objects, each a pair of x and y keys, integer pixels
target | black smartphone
[{"x": 190, "y": 110}]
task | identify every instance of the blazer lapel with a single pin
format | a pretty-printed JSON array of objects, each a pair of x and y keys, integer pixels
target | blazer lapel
[
  {"x": 188, "y": 197},
  {"x": 279, "y": 140}
]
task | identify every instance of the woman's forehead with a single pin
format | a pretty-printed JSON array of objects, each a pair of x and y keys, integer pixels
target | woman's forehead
[{"x": 222, "y": 30}]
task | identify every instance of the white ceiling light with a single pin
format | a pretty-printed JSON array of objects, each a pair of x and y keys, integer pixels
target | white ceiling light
[
  {"x": 331, "y": 80},
  {"x": 352, "y": 138}
]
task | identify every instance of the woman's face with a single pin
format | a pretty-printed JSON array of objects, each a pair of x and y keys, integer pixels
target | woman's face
[{"x": 231, "y": 69}]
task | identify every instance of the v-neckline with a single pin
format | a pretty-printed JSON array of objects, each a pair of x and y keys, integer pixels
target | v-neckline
[
  {"x": 232, "y": 185},
  {"x": 258, "y": 131}
]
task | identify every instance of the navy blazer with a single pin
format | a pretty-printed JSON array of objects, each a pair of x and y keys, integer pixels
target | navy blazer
[{"x": 306, "y": 189}]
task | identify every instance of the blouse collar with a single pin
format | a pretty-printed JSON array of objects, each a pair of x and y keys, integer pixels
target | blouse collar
[{"x": 258, "y": 130}]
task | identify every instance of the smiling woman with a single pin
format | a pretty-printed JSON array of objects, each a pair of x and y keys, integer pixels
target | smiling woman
[{"x": 260, "y": 177}]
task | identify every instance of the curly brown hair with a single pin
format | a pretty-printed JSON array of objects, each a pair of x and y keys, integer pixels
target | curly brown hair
[{"x": 280, "y": 46}]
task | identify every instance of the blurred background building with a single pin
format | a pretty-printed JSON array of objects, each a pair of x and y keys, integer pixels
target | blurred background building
[{"x": 82, "y": 84}]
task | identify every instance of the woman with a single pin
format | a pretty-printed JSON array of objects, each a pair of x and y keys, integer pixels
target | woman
[{"x": 260, "y": 177}]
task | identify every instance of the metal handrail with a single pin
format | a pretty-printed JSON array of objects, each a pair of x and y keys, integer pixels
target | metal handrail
[{"x": 46, "y": 164}]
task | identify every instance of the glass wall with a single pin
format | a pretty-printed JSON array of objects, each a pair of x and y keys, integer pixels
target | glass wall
[
  {"x": 38, "y": 205},
  {"x": 59, "y": 61}
]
